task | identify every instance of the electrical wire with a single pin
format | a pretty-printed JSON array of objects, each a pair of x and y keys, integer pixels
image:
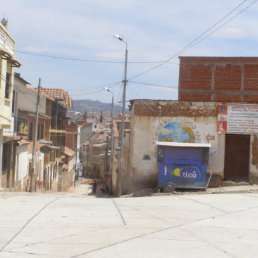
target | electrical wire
[
  {"x": 89, "y": 60},
  {"x": 225, "y": 23},
  {"x": 98, "y": 90},
  {"x": 198, "y": 38},
  {"x": 98, "y": 87},
  {"x": 155, "y": 85}
]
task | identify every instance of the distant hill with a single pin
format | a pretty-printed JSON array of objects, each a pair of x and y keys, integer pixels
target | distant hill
[{"x": 86, "y": 105}]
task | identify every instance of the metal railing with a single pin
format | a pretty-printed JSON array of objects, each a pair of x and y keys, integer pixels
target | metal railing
[{"x": 7, "y": 43}]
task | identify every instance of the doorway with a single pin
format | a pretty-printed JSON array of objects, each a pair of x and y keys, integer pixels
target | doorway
[{"x": 237, "y": 150}]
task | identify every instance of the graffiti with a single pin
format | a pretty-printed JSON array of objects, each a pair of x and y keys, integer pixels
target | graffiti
[{"x": 176, "y": 132}]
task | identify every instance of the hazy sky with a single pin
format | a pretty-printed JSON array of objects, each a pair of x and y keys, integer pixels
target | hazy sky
[{"x": 155, "y": 31}]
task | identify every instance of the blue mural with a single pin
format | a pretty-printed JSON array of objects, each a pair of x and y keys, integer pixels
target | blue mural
[{"x": 175, "y": 132}]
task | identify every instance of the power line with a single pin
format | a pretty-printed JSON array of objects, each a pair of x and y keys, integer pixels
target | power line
[
  {"x": 198, "y": 38},
  {"x": 225, "y": 22},
  {"x": 155, "y": 85},
  {"x": 99, "y": 86},
  {"x": 89, "y": 60}
]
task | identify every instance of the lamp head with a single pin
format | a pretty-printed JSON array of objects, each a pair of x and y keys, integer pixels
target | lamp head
[{"x": 118, "y": 37}]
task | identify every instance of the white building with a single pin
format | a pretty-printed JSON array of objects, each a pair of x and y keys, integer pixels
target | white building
[{"x": 7, "y": 64}]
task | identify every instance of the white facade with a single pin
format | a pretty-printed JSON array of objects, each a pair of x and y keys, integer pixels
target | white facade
[
  {"x": 22, "y": 168},
  {"x": 27, "y": 99},
  {"x": 7, "y": 63},
  {"x": 197, "y": 121}
]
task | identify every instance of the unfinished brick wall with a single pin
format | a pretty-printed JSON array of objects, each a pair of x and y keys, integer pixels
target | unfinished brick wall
[{"x": 218, "y": 79}]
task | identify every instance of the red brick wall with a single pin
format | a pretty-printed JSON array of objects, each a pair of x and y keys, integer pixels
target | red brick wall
[{"x": 218, "y": 79}]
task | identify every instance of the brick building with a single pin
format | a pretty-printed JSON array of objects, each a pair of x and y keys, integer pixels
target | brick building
[{"x": 218, "y": 79}]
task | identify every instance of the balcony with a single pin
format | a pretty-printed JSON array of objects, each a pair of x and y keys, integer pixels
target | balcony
[{"x": 7, "y": 43}]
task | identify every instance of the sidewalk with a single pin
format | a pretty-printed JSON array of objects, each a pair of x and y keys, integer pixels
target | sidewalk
[{"x": 233, "y": 189}]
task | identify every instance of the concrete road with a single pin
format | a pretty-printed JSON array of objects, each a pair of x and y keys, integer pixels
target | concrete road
[{"x": 78, "y": 225}]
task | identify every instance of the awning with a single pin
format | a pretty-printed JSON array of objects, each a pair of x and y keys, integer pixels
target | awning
[
  {"x": 69, "y": 152},
  {"x": 54, "y": 147},
  {"x": 22, "y": 142},
  {"x": 5, "y": 54},
  {"x": 8, "y": 56},
  {"x": 15, "y": 63},
  {"x": 40, "y": 116},
  {"x": 45, "y": 142},
  {"x": 181, "y": 144}
]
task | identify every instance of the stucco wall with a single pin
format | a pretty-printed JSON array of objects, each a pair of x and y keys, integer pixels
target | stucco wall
[
  {"x": 27, "y": 98},
  {"x": 149, "y": 123},
  {"x": 5, "y": 104},
  {"x": 145, "y": 134},
  {"x": 22, "y": 168}
]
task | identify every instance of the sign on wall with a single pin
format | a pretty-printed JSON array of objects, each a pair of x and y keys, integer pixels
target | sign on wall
[
  {"x": 238, "y": 118},
  {"x": 22, "y": 126}
]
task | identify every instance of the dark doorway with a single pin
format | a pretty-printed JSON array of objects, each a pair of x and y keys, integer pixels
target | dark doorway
[{"x": 237, "y": 157}]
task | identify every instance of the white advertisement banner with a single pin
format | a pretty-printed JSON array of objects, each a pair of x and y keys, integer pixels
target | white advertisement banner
[{"x": 241, "y": 118}]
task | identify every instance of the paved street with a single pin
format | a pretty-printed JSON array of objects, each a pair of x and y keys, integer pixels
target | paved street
[{"x": 79, "y": 225}]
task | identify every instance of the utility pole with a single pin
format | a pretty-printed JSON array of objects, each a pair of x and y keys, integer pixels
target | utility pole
[
  {"x": 112, "y": 145},
  {"x": 35, "y": 138},
  {"x": 119, "y": 191},
  {"x": 112, "y": 141}
]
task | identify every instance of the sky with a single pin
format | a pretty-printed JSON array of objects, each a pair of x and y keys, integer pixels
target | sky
[{"x": 154, "y": 31}]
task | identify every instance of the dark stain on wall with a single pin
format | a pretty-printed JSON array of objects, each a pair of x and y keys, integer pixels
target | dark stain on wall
[{"x": 255, "y": 151}]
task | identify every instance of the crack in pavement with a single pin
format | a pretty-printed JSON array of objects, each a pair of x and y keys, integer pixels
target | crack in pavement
[
  {"x": 120, "y": 213},
  {"x": 142, "y": 235},
  {"x": 205, "y": 204},
  {"x": 160, "y": 230},
  {"x": 226, "y": 212},
  {"x": 30, "y": 253},
  {"x": 57, "y": 238},
  {"x": 26, "y": 224}
]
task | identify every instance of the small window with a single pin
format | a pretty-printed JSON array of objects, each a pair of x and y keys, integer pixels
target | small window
[
  {"x": 30, "y": 132},
  {"x": 5, "y": 158},
  {"x": 42, "y": 131},
  {"x": 7, "y": 86},
  {"x": 13, "y": 103},
  {"x": 39, "y": 133}
]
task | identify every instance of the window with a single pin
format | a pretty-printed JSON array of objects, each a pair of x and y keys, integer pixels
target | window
[
  {"x": 13, "y": 103},
  {"x": 42, "y": 132},
  {"x": 5, "y": 158},
  {"x": 7, "y": 85},
  {"x": 30, "y": 132},
  {"x": 39, "y": 128}
]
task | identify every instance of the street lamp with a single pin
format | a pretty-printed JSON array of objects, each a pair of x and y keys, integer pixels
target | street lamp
[
  {"x": 112, "y": 140},
  {"x": 123, "y": 119}
]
